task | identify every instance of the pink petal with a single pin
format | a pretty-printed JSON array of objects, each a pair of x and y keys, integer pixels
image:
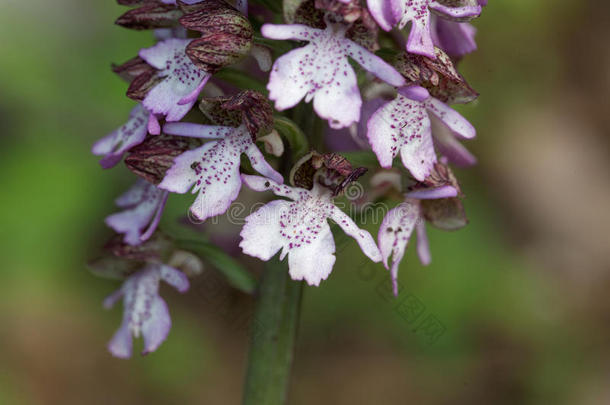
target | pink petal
[
  {"x": 261, "y": 236},
  {"x": 313, "y": 262},
  {"x": 193, "y": 130},
  {"x": 175, "y": 278},
  {"x": 156, "y": 328},
  {"x": 447, "y": 145},
  {"x": 434, "y": 193},
  {"x": 297, "y": 32},
  {"x": 374, "y": 64},
  {"x": 258, "y": 183},
  {"x": 364, "y": 239},
  {"x": 454, "y": 121},
  {"x": 121, "y": 343},
  {"x": 423, "y": 247},
  {"x": 158, "y": 54},
  {"x": 464, "y": 12},
  {"x": 288, "y": 84},
  {"x": 260, "y": 164},
  {"x": 381, "y": 10},
  {"x": 339, "y": 102}
]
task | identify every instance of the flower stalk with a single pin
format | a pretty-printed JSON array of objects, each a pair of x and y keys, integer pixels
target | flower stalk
[{"x": 272, "y": 337}]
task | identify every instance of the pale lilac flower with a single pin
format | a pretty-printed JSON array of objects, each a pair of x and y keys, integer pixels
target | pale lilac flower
[
  {"x": 213, "y": 168},
  {"x": 143, "y": 205},
  {"x": 321, "y": 71},
  {"x": 300, "y": 229},
  {"x": 174, "y": 96},
  {"x": 389, "y": 13},
  {"x": 145, "y": 312},
  {"x": 114, "y": 145},
  {"x": 403, "y": 126},
  {"x": 400, "y": 222}
]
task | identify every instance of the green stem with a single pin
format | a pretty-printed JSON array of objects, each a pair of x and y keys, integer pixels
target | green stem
[{"x": 273, "y": 336}]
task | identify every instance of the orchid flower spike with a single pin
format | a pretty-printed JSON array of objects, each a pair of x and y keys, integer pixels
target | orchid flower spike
[
  {"x": 143, "y": 206},
  {"x": 299, "y": 228},
  {"x": 213, "y": 169},
  {"x": 145, "y": 312},
  {"x": 389, "y": 13},
  {"x": 403, "y": 126},
  {"x": 321, "y": 71}
]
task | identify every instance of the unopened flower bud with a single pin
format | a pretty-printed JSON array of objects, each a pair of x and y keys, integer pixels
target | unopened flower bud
[
  {"x": 132, "y": 68},
  {"x": 142, "y": 84},
  {"x": 226, "y": 35},
  {"x": 255, "y": 110},
  {"x": 438, "y": 76},
  {"x": 150, "y": 15},
  {"x": 153, "y": 157},
  {"x": 158, "y": 247},
  {"x": 440, "y": 176}
]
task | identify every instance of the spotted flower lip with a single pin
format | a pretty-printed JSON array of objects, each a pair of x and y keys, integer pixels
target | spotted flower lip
[
  {"x": 403, "y": 126},
  {"x": 114, "y": 145},
  {"x": 213, "y": 169},
  {"x": 182, "y": 81},
  {"x": 389, "y": 13},
  {"x": 321, "y": 71},
  {"x": 145, "y": 312},
  {"x": 143, "y": 206},
  {"x": 300, "y": 229}
]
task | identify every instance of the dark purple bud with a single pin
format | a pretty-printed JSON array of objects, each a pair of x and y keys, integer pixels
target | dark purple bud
[
  {"x": 153, "y": 157},
  {"x": 158, "y": 247},
  {"x": 113, "y": 267},
  {"x": 226, "y": 34},
  {"x": 150, "y": 15},
  {"x": 363, "y": 29},
  {"x": 438, "y": 76},
  {"x": 255, "y": 110},
  {"x": 142, "y": 84},
  {"x": 132, "y": 68},
  {"x": 216, "y": 114},
  {"x": 440, "y": 176}
]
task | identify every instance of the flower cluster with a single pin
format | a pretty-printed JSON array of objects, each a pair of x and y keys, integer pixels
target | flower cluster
[{"x": 223, "y": 100}]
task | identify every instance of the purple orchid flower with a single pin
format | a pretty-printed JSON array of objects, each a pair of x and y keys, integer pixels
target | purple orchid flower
[
  {"x": 213, "y": 168},
  {"x": 389, "y": 13},
  {"x": 143, "y": 204},
  {"x": 320, "y": 71},
  {"x": 114, "y": 145},
  {"x": 174, "y": 96},
  {"x": 403, "y": 125},
  {"x": 145, "y": 312},
  {"x": 300, "y": 229}
]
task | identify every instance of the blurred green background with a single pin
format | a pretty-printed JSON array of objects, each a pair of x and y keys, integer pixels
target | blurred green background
[{"x": 522, "y": 292}]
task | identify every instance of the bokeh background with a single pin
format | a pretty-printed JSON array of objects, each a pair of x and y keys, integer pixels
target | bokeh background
[{"x": 522, "y": 292}]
